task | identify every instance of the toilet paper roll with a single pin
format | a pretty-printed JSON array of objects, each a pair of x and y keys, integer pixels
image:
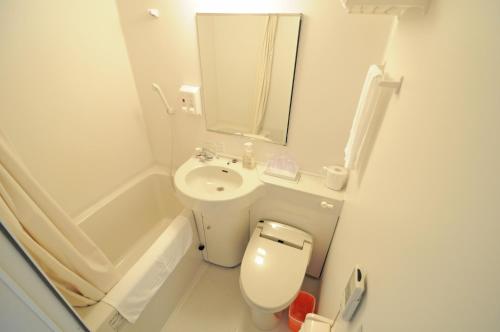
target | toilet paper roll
[{"x": 336, "y": 177}]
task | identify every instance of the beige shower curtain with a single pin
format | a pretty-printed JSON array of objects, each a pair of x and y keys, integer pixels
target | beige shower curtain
[
  {"x": 264, "y": 71},
  {"x": 77, "y": 267}
]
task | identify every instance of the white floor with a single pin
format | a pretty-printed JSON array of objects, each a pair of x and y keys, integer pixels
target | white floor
[{"x": 214, "y": 304}]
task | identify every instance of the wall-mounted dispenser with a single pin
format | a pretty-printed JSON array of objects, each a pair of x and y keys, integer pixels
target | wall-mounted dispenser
[{"x": 190, "y": 99}]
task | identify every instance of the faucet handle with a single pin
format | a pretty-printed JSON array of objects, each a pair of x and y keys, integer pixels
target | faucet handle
[
  {"x": 199, "y": 154},
  {"x": 210, "y": 150}
]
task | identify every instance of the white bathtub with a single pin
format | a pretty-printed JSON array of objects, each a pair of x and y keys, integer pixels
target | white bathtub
[{"x": 124, "y": 225}]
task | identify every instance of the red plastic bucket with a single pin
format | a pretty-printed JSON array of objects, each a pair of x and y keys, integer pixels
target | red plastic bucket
[{"x": 300, "y": 307}]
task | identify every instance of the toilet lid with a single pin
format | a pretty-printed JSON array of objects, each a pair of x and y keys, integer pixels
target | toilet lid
[{"x": 272, "y": 273}]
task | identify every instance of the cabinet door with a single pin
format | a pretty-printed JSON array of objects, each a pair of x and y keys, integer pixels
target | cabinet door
[
  {"x": 200, "y": 229},
  {"x": 226, "y": 234}
]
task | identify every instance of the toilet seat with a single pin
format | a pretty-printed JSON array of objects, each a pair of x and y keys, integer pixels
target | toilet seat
[{"x": 272, "y": 272}]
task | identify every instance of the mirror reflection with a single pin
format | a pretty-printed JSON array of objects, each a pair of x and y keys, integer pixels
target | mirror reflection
[{"x": 248, "y": 65}]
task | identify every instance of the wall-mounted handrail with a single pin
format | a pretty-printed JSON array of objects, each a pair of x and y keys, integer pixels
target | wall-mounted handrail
[{"x": 168, "y": 109}]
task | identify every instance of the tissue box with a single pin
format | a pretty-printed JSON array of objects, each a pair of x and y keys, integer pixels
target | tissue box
[{"x": 285, "y": 169}]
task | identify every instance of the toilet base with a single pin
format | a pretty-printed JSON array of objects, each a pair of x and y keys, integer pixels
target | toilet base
[{"x": 265, "y": 320}]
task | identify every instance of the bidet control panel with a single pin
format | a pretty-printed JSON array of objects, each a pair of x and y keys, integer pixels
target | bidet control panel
[{"x": 285, "y": 234}]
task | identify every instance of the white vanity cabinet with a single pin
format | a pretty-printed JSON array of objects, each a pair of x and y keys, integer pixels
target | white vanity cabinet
[{"x": 224, "y": 234}]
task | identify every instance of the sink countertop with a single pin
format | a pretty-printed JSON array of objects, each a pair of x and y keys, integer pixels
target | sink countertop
[{"x": 308, "y": 183}]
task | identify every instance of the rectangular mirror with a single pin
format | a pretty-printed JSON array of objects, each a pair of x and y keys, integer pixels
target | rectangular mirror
[{"x": 248, "y": 66}]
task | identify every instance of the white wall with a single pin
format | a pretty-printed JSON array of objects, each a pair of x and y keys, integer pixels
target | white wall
[
  {"x": 334, "y": 53},
  {"x": 424, "y": 221},
  {"x": 68, "y": 102}
]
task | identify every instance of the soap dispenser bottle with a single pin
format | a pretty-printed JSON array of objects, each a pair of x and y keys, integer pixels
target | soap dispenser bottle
[{"x": 248, "y": 158}]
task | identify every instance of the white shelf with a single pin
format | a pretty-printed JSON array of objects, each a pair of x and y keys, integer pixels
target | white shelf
[
  {"x": 308, "y": 183},
  {"x": 383, "y": 7}
]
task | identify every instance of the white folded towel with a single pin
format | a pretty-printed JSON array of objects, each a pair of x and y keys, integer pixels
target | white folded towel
[
  {"x": 362, "y": 118},
  {"x": 138, "y": 286}
]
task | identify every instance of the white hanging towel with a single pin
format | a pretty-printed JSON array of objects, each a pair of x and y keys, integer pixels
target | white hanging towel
[
  {"x": 364, "y": 112},
  {"x": 138, "y": 286}
]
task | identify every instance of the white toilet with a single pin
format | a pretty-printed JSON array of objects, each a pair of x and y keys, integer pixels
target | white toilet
[{"x": 273, "y": 269}]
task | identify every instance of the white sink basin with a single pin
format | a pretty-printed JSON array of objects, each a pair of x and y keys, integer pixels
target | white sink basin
[
  {"x": 220, "y": 193},
  {"x": 213, "y": 180},
  {"x": 202, "y": 185}
]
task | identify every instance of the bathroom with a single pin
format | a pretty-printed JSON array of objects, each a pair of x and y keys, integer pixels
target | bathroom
[{"x": 96, "y": 137}]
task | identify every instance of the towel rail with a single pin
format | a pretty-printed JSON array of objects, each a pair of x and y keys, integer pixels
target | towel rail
[
  {"x": 396, "y": 85},
  {"x": 365, "y": 110}
]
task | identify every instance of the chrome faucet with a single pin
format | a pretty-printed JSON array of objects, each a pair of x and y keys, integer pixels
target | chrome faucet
[{"x": 205, "y": 154}]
